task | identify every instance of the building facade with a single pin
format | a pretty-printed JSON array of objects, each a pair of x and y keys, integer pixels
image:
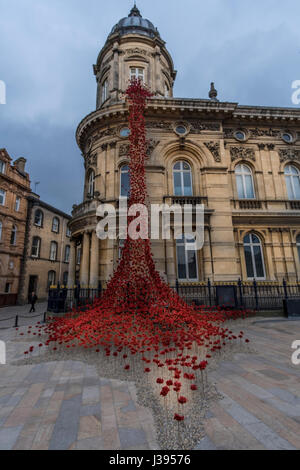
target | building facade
[
  {"x": 241, "y": 162},
  {"x": 14, "y": 190},
  {"x": 46, "y": 249}
]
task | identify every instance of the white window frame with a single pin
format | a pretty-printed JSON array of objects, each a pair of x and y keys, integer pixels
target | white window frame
[
  {"x": 14, "y": 239},
  {"x": 182, "y": 171},
  {"x": 38, "y": 247},
  {"x": 124, "y": 172},
  {"x": 78, "y": 255},
  {"x": 138, "y": 73},
  {"x": 17, "y": 204},
  {"x": 67, "y": 252},
  {"x": 52, "y": 252},
  {"x": 2, "y": 197},
  {"x": 53, "y": 224},
  {"x": 1, "y": 228},
  {"x": 297, "y": 244},
  {"x": 49, "y": 281},
  {"x": 251, "y": 244},
  {"x": 40, "y": 224},
  {"x": 180, "y": 243},
  {"x": 104, "y": 91},
  {"x": 291, "y": 176},
  {"x": 91, "y": 183},
  {"x": 2, "y": 167},
  {"x": 243, "y": 174}
]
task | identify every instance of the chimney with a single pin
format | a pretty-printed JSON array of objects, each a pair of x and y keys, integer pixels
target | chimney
[{"x": 20, "y": 164}]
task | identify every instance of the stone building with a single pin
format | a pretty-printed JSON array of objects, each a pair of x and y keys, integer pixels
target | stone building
[
  {"x": 14, "y": 189},
  {"x": 46, "y": 250},
  {"x": 241, "y": 162}
]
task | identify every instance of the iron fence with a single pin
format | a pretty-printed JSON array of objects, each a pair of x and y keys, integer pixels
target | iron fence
[
  {"x": 62, "y": 299},
  {"x": 251, "y": 295}
]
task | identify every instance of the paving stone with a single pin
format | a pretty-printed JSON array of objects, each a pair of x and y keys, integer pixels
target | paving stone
[
  {"x": 205, "y": 444},
  {"x": 9, "y": 436},
  {"x": 132, "y": 437},
  {"x": 66, "y": 425}
]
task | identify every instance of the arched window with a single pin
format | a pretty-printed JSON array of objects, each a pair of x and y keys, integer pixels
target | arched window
[
  {"x": 36, "y": 247},
  {"x": 55, "y": 225},
  {"x": 38, "y": 218},
  {"x": 13, "y": 236},
  {"x": 104, "y": 91},
  {"x": 254, "y": 257},
  {"x": 298, "y": 245},
  {"x": 124, "y": 181},
  {"x": 91, "y": 183},
  {"x": 2, "y": 197},
  {"x": 292, "y": 179},
  {"x": 187, "y": 266},
  {"x": 51, "y": 279},
  {"x": 67, "y": 253},
  {"x": 182, "y": 177},
  {"x": 121, "y": 246},
  {"x": 1, "y": 226},
  {"x": 244, "y": 182},
  {"x": 53, "y": 251}
]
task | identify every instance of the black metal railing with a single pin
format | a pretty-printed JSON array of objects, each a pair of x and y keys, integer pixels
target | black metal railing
[
  {"x": 63, "y": 299},
  {"x": 253, "y": 295}
]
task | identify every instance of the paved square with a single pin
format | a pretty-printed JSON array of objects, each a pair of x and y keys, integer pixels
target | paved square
[{"x": 66, "y": 405}]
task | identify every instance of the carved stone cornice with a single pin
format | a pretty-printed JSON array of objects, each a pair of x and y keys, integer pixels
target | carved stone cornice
[
  {"x": 124, "y": 149},
  {"x": 90, "y": 159},
  {"x": 214, "y": 148},
  {"x": 242, "y": 152},
  {"x": 289, "y": 154}
]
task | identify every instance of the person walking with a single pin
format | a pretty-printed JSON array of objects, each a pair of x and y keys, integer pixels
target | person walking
[{"x": 33, "y": 300}]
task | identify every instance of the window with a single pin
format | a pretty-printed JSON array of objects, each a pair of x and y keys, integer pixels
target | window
[
  {"x": 68, "y": 232},
  {"x": 2, "y": 197},
  {"x": 78, "y": 255},
  {"x": 292, "y": 180},
  {"x": 244, "y": 182},
  {"x": 136, "y": 72},
  {"x": 67, "y": 253},
  {"x": 38, "y": 218},
  {"x": 167, "y": 90},
  {"x": 1, "y": 227},
  {"x": 124, "y": 181},
  {"x": 298, "y": 245},
  {"x": 187, "y": 266},
  {"x": 121, "y": 246},
  {"x": 55, "y": 225},
  {"x": 2, "y": 167},
  {"x": 125, "y": 132},
  {"x": 254, "y": 257},
  {"x": 51, "y": 279},
  {"x": 17, "y": 204},
  {"x": 104, "y": 92},
  {"x": 91, "y": 183},
  {"x": 53, "y": 251},
  {"x": 36, "y": 246},
  {"x": 182, "y": 176},
  {"x": 287, "y": 137},
  {"x": 7, "y": 288},
  {"x": 240, "y": 135},
  {"x": 13, "y": 237},
  {"x": 65, "y": 278}
]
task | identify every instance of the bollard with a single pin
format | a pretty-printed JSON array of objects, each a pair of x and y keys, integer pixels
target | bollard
[{"x": 16, "y": 321}]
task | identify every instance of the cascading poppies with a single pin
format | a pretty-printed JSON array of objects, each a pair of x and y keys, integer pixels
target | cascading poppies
[{"x": 139, "y": 315}]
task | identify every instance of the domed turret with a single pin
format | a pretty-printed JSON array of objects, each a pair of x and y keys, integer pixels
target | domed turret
[
  {"x": 136, "y": 24},
  {"x": 133, "y": 48}
]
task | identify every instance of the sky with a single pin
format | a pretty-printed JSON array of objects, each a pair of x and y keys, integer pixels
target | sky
[{"x": 249, "y": 48}]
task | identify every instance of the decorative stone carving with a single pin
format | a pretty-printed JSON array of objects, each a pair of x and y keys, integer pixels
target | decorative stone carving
[
  {"x": 197, "y": 126},
  {"x": 137, "y": 50},
  {"x": 159, "y": 125},
  {"x": 125, "y": 148},
  {"x": 261, "y": 146},
  {"x": 214, "y": 148},
  {"x": 242, "y": 152},
  {"x": 270, "y": 146},
  {"x": 90, "y": 159},
  {"x": 289, "y": 154},
  {"x": 264, "y": 133}
]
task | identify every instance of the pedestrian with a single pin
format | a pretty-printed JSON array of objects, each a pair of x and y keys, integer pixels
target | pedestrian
[{"x": 33, "y": 299}]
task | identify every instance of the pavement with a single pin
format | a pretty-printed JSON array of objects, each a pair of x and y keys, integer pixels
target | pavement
[{"x": 66, "y": 405}]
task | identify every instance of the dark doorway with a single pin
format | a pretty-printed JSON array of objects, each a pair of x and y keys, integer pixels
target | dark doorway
[{"x": 32, "y": 286}]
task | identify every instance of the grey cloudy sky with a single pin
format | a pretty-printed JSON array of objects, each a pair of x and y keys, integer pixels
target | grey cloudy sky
[{"x": 250, "y": 48}]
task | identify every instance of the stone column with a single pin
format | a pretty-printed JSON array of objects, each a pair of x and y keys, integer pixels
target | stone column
[
  {"x": 170, "y": 261},
  {"x": 85, "y": 260},
  {"x": 94, "y": 262},
  {"x": 72, "y": 265}
]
